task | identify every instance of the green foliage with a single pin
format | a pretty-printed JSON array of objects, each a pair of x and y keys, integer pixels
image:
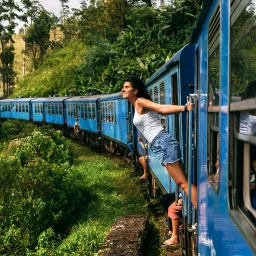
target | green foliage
[
  {"x": 40, "y": 193},
  {"x": 37, "y": 38},
  {"x": 58, "y": 74},
  {"x": 139, "y": 43}
]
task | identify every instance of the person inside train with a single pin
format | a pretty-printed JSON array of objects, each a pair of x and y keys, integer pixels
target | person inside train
[
  {"x": 76, "y": 129},
  {"x": 253, "y": 175},
  {"x": 174, "y": 213},
  {"x": 147, "y": 121},
  {"x": 130, "y": 145},
  {"x": 247, "y": 123},
  {"x": 253, "y": 184},
  {"x": 143, "y": 159}
]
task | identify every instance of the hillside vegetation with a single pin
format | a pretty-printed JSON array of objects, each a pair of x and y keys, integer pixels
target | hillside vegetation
[
  {"x": 58, "y": 74},
  {"x": 101, "y": 45}
]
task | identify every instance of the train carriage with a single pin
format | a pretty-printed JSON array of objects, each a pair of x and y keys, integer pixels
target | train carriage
[
  {"x": 115, "y": 121},
  {"x": 225, "y": 127},
  {"x": 19, "y": 108},
  {"x": 49, "y": 110},
  {"x": 83, "y": 111}
]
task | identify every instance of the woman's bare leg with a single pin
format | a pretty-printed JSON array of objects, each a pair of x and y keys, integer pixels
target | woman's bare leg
[
  {"x": 176, "y": 171},
  {"x": 175, "y": 233}
]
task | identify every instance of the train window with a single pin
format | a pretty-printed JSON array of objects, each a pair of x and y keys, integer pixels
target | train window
[
  {"x": 52, "y": 106},
  {"x": 101, "y": 114},
  {"x": 175, "y": 101},
  {"x": 74, "y": 110},
  {"x": 162, "y": 93},
  {"x": 155, "y": 94},
  {"x": 85, "y": 111},
  {"x": 213, "y": 144},
  {"x": 243, "y": 46},
  {"x": 56, "y": 109},
  {"x": 151, "y": 93},
  {"x": 60, "y": 109},
  {"x": 94, "y": 111},
  {"x": 113, "y": 112},
  {"x": 89, "y": 111},
  {"x": 242, "y": 162},
  {"x": 162, "y": 101},
  {"x": 82, "y": 110},
  {"x": 105, "y": 111}
]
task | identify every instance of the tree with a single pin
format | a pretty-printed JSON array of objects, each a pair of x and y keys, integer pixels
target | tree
[
  {"x": 64, "y": 11},
  {"x": 38, "y": 36},
  {"x": 8, "y": 13}
]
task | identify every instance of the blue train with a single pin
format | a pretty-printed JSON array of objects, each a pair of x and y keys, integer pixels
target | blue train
[{"x": 218, "y": 140}]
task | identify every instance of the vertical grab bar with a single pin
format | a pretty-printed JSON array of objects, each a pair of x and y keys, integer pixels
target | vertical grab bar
[{"x": 189, "y": 160}]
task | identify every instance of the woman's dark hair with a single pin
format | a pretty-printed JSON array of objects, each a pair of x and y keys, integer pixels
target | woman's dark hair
[{"x": 138, "y": 84}]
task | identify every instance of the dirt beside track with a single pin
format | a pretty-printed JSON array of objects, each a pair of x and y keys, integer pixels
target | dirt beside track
[{"x": 125, "y": 237}]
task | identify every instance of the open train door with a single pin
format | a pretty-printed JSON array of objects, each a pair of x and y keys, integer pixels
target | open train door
[{"x": 189, "y": 234}]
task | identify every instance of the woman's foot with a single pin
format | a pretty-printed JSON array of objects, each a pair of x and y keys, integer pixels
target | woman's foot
[
  {"x": 143, "y": 177},
  {"x": 171, "y": 241}
]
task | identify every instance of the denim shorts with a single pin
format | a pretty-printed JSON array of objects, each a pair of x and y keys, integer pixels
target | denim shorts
[{"x": 166, "y": 147}]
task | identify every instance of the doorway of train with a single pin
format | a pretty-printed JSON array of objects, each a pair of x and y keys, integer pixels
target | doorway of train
[{"x": 183, "y": 129}]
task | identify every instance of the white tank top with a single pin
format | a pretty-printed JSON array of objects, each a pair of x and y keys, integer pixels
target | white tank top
[{"x": 148, "y": 124}]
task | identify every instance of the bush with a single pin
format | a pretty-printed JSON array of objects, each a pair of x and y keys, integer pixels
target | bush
[{"x": 39, "y": 191}]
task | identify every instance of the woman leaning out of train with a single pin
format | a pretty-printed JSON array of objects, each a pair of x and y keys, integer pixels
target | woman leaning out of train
[{"x": 147, "y": 121}]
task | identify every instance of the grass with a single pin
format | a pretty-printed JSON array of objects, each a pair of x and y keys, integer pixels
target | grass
[{"x": 114, "y": 194}]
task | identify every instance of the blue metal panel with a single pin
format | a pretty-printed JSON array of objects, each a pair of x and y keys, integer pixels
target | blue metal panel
[
  {"x": 118, "y": 130},
  {"x": 217, "y": 233}
]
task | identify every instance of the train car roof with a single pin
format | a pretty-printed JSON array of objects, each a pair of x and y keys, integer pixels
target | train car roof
[
  {"x": 17, "y": 100},
  {"x": 113, "y": 96},
  {"x": 50, "y": 99},
  {"x": 84, "y": 98},
  {"x": 172, "y": 62},
  {"x": 200, "y": 22}
]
